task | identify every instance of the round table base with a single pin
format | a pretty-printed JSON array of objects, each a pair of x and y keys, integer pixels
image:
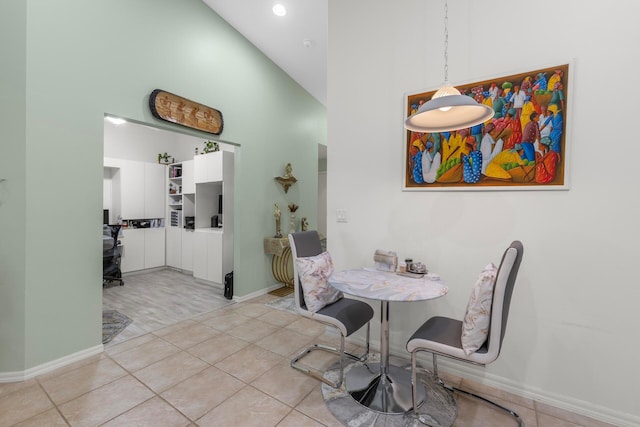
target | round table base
[
  {"x": 389, "y": 394},
  {"x": 439, "y": 408}
]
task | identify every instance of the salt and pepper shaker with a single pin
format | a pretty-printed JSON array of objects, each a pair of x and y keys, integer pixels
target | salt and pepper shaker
[{"x": 408, "y": 262}]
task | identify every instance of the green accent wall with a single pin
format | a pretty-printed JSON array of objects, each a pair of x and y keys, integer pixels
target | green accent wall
[
  {"x": 72, "y": 62},
  {"x": 13, "y": 39}
]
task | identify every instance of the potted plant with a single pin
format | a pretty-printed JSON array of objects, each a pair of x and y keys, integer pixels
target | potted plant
[
  {"x": 211, "y": 146},
  {"x": 163, "y": 158}
]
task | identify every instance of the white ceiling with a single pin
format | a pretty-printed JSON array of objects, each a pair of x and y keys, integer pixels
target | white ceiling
[{"x": 282, "y": 39}]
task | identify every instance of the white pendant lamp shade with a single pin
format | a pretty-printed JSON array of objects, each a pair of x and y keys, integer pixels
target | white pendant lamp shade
[{"x": 448, "y": 110}]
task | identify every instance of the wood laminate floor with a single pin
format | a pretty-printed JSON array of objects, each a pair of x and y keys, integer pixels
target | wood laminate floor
[{"x": 158, "y": 299}]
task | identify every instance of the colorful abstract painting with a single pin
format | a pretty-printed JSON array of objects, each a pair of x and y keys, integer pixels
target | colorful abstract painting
[{"x": 524, "y": 145}]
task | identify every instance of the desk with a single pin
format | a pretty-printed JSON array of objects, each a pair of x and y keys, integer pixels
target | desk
[{"x": 385, "y": 388}]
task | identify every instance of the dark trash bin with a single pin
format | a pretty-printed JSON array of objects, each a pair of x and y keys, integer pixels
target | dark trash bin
[{"x": 228, "y": 285}]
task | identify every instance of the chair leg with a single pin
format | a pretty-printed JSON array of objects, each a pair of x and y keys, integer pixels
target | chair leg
[
  {"x": 468, "y": 393},
  {"x": 414, "y": 382},
  {"x": 366, "y": 352},
  {"x": 496, "y": 405},
  {"x": 339, "y": 352}
]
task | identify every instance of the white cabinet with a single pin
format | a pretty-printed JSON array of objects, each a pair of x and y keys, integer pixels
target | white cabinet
[
  {"x": 142, "y": 248},
  {"x": 154, "y": 244},
  {"x": 179, "y": 248},
  {"x": 214, "y": 257},
  {"x": 187, "y": 250},
  {"x": 141, "y": 190},
  {"x": 207, "y": 255},
  {"x": 200, "y": 255},
  {"x": 132, "y": 250},
  {"x": 132, "y": 189},
  {"x": 188, "y": 183},
  {"x": 174, "y": 247},
  {"x": 208, "y": 167},
  {"x": 154, "y": 190}
]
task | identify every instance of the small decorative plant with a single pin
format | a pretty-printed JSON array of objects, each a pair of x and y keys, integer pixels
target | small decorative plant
[
  {"x": 211, "y": 146},
  {"x": 163, "y": 158}
]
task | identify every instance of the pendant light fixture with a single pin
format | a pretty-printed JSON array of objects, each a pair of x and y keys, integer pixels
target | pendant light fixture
[{"x": 448, "y": 109}]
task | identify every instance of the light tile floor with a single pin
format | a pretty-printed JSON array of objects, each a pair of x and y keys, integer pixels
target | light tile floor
[{"x": 228, "y": 367}]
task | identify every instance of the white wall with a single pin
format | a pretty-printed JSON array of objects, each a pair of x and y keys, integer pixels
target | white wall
[
  {"x": 571, "y": 339},
  {"x": 322, "y": 203},
  {"x": 133, "y": 141}
]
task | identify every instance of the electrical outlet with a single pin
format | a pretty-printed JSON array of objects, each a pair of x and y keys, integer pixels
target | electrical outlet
[{"x": 341, "y": 215}]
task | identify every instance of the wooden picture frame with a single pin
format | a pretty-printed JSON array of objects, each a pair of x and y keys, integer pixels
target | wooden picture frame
[{"x": 495, "y": 155}]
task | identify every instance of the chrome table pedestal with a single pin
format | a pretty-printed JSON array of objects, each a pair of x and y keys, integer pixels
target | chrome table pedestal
[
  {"x": 389, "y": 393},
  {"x": 382, "y": 387}
]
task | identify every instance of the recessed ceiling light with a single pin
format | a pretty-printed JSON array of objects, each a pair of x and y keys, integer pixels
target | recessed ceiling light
[
  {"x": 279, "y": 9},
  {"x": 116, "y": 120}
]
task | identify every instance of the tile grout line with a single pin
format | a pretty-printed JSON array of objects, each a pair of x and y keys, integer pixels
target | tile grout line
[
  {"x": 152, "y": 391},
  {"x": 52, "y": 402},
  {"x": 232, "y": 307},
  {"x": 210, "y": 365}
]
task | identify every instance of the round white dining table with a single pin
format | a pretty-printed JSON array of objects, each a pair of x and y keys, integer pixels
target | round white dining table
[{"x": 381, "y": 386}]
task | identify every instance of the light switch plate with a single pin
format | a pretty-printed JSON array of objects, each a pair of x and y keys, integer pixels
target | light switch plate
[{"x": 341, "y": 215}]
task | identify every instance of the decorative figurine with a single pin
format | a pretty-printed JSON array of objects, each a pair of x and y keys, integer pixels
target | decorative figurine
[
  {"x": 304, "y": 225},
  {"x": 276, "y": 214},
  {"x": 288, "y": 179}
]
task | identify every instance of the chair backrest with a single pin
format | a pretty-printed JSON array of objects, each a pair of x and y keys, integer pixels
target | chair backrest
[
  {"x": 303, "y": 244},
  {"x": 505, "y": 282}
]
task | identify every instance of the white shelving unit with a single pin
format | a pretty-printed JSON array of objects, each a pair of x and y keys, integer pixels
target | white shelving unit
[
  {"x": 180, "y": 204},
  {"x": 174, "y": 200},
  {"x": 195, "y": 188},
  {"x": 213, "y": 246}
]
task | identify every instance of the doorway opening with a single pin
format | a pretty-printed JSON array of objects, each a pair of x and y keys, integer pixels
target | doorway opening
[{"x": 145, "y": 168}]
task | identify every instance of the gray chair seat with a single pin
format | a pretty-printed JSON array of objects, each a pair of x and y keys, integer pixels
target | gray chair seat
[
  {"x": 443, "y": 330},
  {"x": 353, "y": 314}
]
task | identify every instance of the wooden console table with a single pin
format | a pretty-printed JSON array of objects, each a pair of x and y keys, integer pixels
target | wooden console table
[{"x": 281, "y": 263}]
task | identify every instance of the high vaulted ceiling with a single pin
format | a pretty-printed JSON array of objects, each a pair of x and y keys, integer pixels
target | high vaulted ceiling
[{"x": 296, "y": 42}]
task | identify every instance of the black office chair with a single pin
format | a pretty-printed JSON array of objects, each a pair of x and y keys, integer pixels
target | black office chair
[
  {"x": 346, "y": 315},
  {"x": 442, "y": 335},
  {"x": 111, "y": 255}
]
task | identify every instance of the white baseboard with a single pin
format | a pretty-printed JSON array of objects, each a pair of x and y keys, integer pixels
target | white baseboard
[
  {"x": 556, "y": 400},
  {"x": 16, "y": 376},
  {"x": 256, "y": 293},
  {"x": 466, "y": 371}
]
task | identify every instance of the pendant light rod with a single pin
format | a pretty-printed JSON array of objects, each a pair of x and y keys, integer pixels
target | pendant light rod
[
  {"x": 448, "y": 109},
  {"x": 446, "y": 42}
]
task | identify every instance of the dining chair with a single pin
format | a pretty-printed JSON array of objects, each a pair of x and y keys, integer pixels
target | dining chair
[
  {"x": 346, "y": 315},
  {"x": 441, "y": 336}
]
